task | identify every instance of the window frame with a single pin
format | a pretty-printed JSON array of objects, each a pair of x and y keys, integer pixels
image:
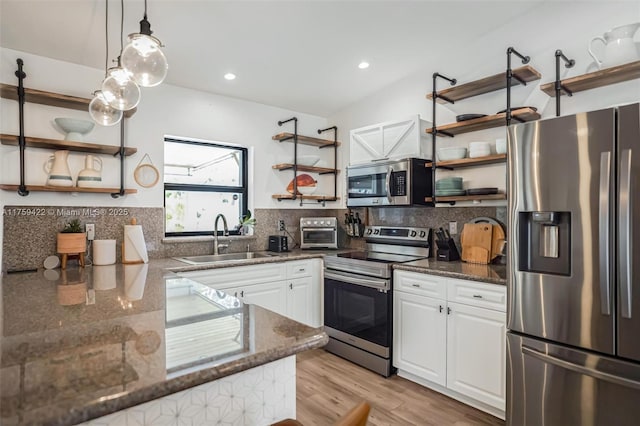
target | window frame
[{"x": 243, "y": 189}]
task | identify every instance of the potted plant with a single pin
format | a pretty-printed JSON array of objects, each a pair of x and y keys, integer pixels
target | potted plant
[
  {"x": 246, "y": 224},
  {"x": 72, "y": 240}
]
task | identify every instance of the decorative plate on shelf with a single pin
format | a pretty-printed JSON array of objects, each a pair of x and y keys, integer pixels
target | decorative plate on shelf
[
  {"x": 465, "y": 117},
  {"x": 306, "y": 184}
]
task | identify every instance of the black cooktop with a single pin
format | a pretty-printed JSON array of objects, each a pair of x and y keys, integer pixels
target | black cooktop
[{"x": 379, "y": 257}]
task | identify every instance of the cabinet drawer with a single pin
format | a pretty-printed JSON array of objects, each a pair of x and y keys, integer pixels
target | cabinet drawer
[
  {"x": 491, "y": 296},
  {"x": 223, "y": 278},
  {"x": 299, "y": 268},
  {"x": 420, "y": 284}
]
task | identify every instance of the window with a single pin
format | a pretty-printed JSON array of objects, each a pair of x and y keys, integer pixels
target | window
[{"x": 201, "y": 180}]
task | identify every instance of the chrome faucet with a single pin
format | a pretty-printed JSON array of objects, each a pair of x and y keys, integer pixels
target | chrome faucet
[{"x": 217, "y": 246}]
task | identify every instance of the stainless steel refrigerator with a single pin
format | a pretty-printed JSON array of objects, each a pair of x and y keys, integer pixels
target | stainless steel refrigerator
[{"x": 573, "y": 272}]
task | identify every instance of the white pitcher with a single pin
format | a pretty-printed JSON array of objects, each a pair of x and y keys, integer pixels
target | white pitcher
[
  {"x": 58, "y": 169},
  {"x": 90, "y": 176},
  {"x": 619, "y": 46}
]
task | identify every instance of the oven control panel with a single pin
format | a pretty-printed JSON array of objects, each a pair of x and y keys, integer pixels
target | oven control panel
[
  {"x": 397, "y": 233},
  {"x": 318, "y": 222}
]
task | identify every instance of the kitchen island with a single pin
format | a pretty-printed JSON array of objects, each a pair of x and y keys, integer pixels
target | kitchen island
[{"x": 137, "y": 343}]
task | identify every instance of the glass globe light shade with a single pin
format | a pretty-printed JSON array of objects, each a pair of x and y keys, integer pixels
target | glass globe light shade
[
  {"x": 103, "y": 113},
  {"x": 144, "y": 60},
  {"x": 120, "y": 91}
]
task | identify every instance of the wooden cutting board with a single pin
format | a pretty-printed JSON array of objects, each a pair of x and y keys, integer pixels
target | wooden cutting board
[
  {"x": 496, "y": 241},
  {"x": 476, "y": 239}
]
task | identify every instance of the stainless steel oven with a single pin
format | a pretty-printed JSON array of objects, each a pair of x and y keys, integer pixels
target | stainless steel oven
[
  {"x": 392, "y": 183},
  {"x": 318, "y": 232},
  {"x": 358, "y": 296}
]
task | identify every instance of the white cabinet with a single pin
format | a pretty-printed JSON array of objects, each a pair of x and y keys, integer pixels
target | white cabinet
[
  {"x": 390, "y": 140},
  {"x": 476, "y": 353},
  {"x": 271, "y": 296},
  {"x": 292, "y": 288},
  {"x": 420, "y": 339},
  {"x": 450, "y": 335}
]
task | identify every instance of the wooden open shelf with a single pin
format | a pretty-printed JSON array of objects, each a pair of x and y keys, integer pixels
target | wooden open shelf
[
  {"x": 471, "y": 198},
  {"x": 9, "y": 91},
  {"x": 289, "y": 166},
  {"x": 63, "y": 144},
  {"x": 486, "y": 85},
  {"x": 305, "y": 197},
  {"x": 44, "y": 188},
  {"x": 592, "y": 80},
  {"x": 303, "y": 140},
  {"x": 488, "y": 122},
  {"x": 469, "y": 162}
]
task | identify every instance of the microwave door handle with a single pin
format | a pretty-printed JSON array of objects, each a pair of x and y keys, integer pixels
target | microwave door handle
[
  {"x": 604, "y": 227},
  {"x": 388, "y": 183},
  {"x": 626, "y": 233}
]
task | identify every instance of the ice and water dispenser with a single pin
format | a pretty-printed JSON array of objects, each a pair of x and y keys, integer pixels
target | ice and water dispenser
[{"x": 545, "y": 242}]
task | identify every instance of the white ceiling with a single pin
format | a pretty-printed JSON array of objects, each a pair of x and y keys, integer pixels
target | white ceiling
[{"x": 300, "y": 55}]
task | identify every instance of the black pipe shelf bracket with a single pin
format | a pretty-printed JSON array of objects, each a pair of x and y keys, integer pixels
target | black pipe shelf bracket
[
  {"x": 434, "y": 130},
  {"x": 22, "y": 188},
  {"x": 568, "y": 63},
  {"x": 295, "y": 156},
  {"x": 335, "y": 160},
  {"x": 510, "y": 75},
  {"x": 122, "y": 155}
]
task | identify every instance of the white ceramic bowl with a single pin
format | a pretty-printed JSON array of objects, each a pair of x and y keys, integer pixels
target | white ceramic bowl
[
  {"x": 501, "y": 146},
  {"x": 475, "y": 153},
  {"x": 74, "y": 128},
  {"x": 479, "y": 145},
  {"x": 307, "y": 160},
  {"x": 307, "y": 190},
  {"x": 451, "y": 153}
]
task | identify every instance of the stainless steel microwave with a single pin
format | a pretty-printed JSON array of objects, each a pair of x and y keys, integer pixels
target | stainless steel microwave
[{"x": 392, "y": 183}]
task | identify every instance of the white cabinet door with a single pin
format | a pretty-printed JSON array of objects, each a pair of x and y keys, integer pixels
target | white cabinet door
[
  {"x": 419, "y": 336},
  {"x": 300, "y": 301},
  {"x": 272, "y": 296},
  {"x": 476, "y": 353},
  {"x": 388, "y": 141}
]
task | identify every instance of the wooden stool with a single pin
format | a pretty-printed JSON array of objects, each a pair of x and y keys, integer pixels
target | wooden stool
[{"x": 63, "y": 261}]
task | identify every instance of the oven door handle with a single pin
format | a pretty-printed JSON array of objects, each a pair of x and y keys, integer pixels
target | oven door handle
[
  {"x": 318, "y": 229},
  {"x": 351, "y": 279}
]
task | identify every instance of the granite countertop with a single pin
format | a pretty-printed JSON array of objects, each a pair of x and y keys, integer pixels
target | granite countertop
[
  {"x": 494, "y": 274},
  {"x": 82, "y": 343}
]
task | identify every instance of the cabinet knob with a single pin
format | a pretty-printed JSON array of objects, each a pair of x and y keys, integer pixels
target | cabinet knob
[
  {"x": 242, "y": 293},
  {"x": 441, "y": 308},
  {"x": 301, "y": 270},
  {"x": 291, "y": 286},
  {"x": 448, "y": 311},
  {"x": 415, "y": 285},
  {"x": 477, "y": 296},
  {"x": 235, "y": 294}
]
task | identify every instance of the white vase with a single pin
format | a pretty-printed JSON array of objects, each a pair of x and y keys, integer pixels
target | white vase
[
  {"x": 58, "y": 169},
  {"x": 90, "y": 176}
]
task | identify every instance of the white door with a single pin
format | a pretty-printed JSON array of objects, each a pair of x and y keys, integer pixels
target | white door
[
  {"x": 272, "y": 296},
  {"x": 299, "y": 300},
  {"x": 419, "y": 336},
  {"x": 476, "y": 353}
]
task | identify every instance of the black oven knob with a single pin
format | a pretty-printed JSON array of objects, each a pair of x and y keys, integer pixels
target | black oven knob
[
  {"x": 376, "y": 232},
  {"x": 422, "y": 234},
  {"x": 369, "y": 231},
  {"x": 413, "y": 233}
]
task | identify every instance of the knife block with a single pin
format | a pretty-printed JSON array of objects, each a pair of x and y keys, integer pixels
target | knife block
[{"x": 447, "y": 250}]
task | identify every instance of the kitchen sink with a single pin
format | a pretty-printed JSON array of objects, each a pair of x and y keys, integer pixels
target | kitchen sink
[{"x": 213, "y": 258}]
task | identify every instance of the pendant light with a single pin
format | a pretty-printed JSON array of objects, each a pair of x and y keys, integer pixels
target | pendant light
[
  {"x": 143, "y": 58},
  {"x": 120, "y": 91},
  {"x": 99, "y": 108}
]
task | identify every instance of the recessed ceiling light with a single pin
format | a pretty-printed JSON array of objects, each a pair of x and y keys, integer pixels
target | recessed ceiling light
[
  {"x": 230, "y": 76},
  {"x": 363, "y": 65}
]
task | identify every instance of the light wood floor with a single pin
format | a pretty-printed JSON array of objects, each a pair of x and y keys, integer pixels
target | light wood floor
[{"x": 329, "y": 386}]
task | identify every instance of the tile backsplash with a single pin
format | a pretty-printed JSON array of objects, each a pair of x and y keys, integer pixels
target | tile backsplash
[{"x": 30, "y": 232}]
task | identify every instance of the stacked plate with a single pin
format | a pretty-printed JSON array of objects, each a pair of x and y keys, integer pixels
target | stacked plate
[
  {"x": 479, "y": 149},
  {"x": 450, "y": 186}
]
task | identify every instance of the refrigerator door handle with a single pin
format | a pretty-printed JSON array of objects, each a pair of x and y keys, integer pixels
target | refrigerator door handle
[
  {"x": 604, "y": 221},
  {"x": 626, "y": 233},
  {"x": 581, "y": 369}
]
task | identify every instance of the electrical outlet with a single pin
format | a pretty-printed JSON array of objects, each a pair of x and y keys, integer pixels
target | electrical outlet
[
  {"x": 453, "y": 228},
  {"x": 281, "y": 226},
  {"x": 91, "y": 231}
]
